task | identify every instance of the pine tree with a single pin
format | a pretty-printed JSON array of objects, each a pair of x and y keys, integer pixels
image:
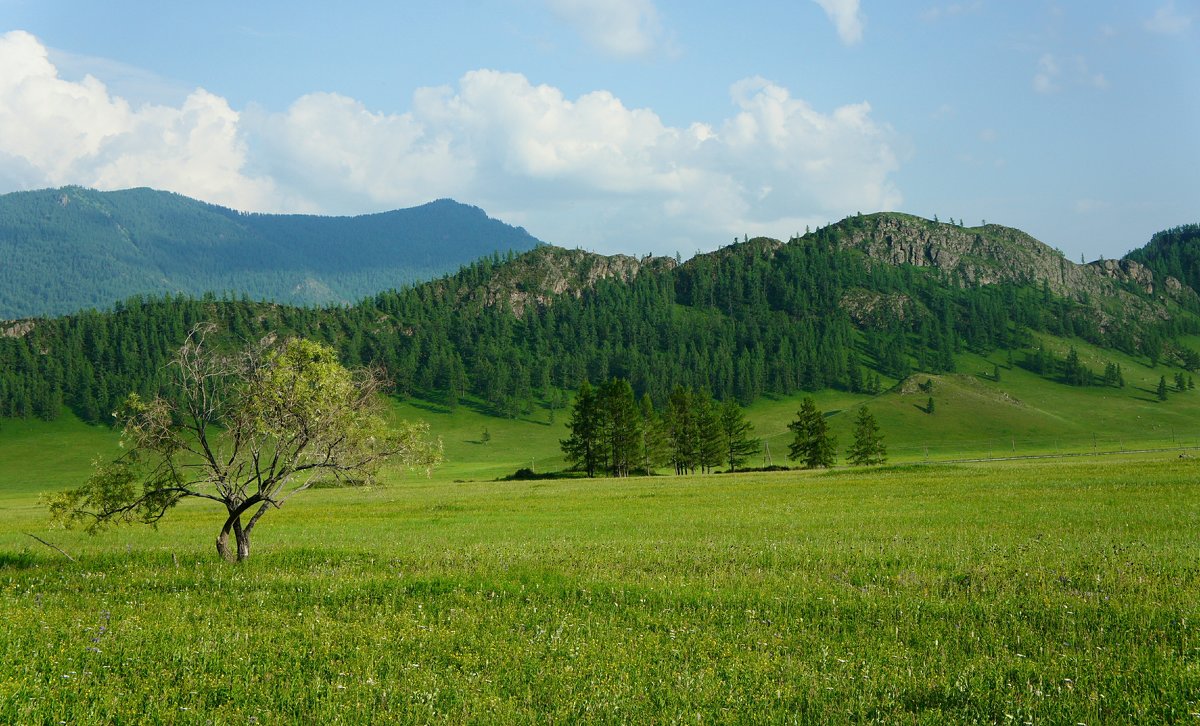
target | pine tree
[
  {"x": 708, "y": 423},
  {"x": 1162, "y": 388},
  {"x": 621, "y": 426},
  {"x": 812, "y": 444},
  {"x": 655, "y": 451},
  {"x": 583, "y": 446},
  {"x": 868, "y": 447},
  {"x": 683, "y": 431},
  {"x": 736, "y": 440}
]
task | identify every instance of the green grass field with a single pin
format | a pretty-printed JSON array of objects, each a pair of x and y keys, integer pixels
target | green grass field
[
  {"x": 1031, "y": 591},
  {"x": 1015, "y": 592}
]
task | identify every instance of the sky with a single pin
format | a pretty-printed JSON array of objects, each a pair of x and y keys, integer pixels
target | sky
[{"x": 624, "y": 126}]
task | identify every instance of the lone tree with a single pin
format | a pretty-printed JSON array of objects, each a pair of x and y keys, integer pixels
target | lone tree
[
  {"x": 868, "y": 447},
  {"x": 248, "y": 430},
  {"x": 813, "y": 444}
]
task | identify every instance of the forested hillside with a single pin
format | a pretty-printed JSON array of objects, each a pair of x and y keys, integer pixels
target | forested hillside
[
  {"x": 760, "y": 317},
  {"x": 1173, "y": 252},
  {"x": 69, "y": 249}
]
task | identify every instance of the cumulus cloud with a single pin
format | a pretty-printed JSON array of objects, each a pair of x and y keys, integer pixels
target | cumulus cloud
[
  {"x": 55, "y": 132},
  {"x": 620, "y": 28},
  {"x": 1167, "y": 20},
  {"x": 846, "y": 17},
  {"x": 586, "y": 171},
  {"x": 591, "y": 169}
]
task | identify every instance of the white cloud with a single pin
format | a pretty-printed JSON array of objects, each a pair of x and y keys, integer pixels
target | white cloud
[
  {"x": 619, "y": 28},
  {"x": 1052, "y": 73},
  {"x": 1046, "y": 78},
  {"x": 1167, "y": 20},
  {"x": 576, "y": 171},
  {"x": 590, "y": 169},
  {"x": 846, "y": 17},
  {"x": 55, "y": 132}
]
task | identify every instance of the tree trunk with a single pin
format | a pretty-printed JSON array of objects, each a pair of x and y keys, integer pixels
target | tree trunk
[
  {"x": 241, "y": 539},
  {"x": 223, "y": 546},
  {"x": 241, "y": 536}
]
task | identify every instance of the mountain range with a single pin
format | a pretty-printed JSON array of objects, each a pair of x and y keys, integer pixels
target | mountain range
[{"x": 68, "y": 249}]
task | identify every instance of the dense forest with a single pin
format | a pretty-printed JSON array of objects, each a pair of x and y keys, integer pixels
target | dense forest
[
  {"x": 1174, "y": 252},
  {"x": 754, "y": 318},
  {"x": 69, "y": 249}
]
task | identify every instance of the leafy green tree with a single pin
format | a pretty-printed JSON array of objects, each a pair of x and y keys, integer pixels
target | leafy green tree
[
  {"x": 812, "y": 442},
  {"x": 584, "y": 447},
  {"x": 247, "y": 430},
  {"x": 868, "y": 447},
  {"x": 737, "y": 440}
]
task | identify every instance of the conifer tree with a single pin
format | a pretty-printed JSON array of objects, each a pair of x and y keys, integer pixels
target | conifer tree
[
  {"x": 1162, "y": 388},
  {"x": 683, "y": 430},
  {"x": 813, "y": 444},
  {"x": 737, "y": 441},
  {"x": 654, "y": 447},
  {"x": 621, "y": 426},
  {"x": 868, "y": 447},
  {"x": 583, "y": 446},
  {"x": 708, "y": 423}
]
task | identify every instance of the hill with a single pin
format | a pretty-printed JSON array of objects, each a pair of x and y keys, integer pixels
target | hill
[
  {"x": 72, "y": 248},
  {"x": 512, "y": 336}
]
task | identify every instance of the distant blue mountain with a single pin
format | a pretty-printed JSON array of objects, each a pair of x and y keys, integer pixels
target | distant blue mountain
[{"x": 63, "y": 250}]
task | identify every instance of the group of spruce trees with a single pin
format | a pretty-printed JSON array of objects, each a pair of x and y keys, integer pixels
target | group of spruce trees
[{"x": 614, "y": 433}]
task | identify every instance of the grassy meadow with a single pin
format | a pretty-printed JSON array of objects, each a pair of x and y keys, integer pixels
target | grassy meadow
[{"x": 1030, "y": 591}]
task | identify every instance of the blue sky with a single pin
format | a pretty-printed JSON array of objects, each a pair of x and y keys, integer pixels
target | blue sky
[{"x": 635, "y": 126}]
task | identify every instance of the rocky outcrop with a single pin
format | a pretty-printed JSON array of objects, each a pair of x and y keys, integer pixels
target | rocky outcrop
[
  {"x": 539, "y": 276},
  {"x": 870, "y": 308},
  {"x": 1134, "y": 274},
  {"x": 16, "y": 328},
  {"x": 993, "y": 254}
]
